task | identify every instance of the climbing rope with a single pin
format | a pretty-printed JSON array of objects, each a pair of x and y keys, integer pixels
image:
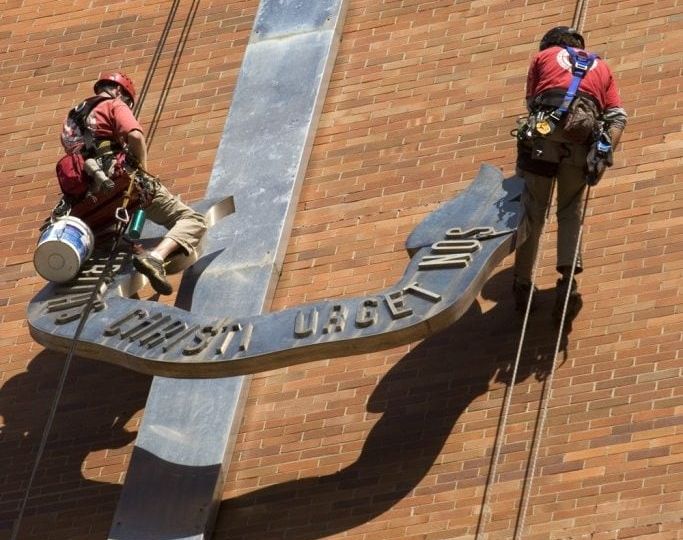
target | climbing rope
[
  {"x": 483, "y": 515},
  {"x": 580, "y": 14},
  {"x": 98, "y": 289},
  {"x": 543, "y": 407},
  {"x": 545, "y": 396},
  {"x": 177, "y": 54},
  {"x": 577, "y": 22},
  {"x": 156, "y": 56}
]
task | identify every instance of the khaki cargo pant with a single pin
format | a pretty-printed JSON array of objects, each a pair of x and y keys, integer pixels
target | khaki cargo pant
[
  {"x": 570, "y": 187},
  {"x": 184, "y": 225}
]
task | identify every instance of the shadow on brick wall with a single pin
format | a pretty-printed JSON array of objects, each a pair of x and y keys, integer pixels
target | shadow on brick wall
[
  {"x": 76, "y": 488},
  {"x": 421, "y": 399}
]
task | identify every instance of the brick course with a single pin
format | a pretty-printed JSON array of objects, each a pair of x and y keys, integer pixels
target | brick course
[{"x": 395, "y": 444}]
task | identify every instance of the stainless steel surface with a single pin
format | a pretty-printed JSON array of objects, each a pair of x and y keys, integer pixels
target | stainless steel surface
[
  {"x": 453, "y": 251},
  {"x": 175, "y": 478}
]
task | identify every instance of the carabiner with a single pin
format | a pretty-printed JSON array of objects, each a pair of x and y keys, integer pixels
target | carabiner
[{"x": 121, "y": 215}]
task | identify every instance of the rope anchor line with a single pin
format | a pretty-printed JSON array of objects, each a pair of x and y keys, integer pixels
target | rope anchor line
[
  {"x": 580, "y": 10},
  {"x": 545, "y": 395},
  {"x": 96, "y": 294}
]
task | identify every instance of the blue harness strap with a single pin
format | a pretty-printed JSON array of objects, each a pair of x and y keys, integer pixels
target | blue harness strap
[{"x": 581, "y": 63}]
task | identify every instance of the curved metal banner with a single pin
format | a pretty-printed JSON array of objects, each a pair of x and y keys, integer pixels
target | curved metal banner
[{"x": 452, "y": 253}]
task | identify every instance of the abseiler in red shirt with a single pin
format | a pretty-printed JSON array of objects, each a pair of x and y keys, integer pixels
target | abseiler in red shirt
[
  {"x": 552, "y": 69},
  {"x": 112, "y": 120}
]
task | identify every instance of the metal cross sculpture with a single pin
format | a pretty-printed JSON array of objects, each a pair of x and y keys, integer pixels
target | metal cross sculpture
[{"x": 202, "y": 350}]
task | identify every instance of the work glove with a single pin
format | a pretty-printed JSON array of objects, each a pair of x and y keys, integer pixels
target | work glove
[
  {"x": 99, "y": 181},
  {"x": 600, "y": 157}
]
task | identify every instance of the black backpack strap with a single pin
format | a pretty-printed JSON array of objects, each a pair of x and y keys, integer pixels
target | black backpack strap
[{"x": 79, "y": 114}]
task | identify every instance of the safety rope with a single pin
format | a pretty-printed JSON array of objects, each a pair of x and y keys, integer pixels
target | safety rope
[
  {"x": 99, "y": 289},
  {"x": 156, "y": 56},
  {"x": 175, "y": 61},
  {"x": 577, "y": 22},
  {"x": 545, "y": 397},
  {"x": 121, "y": 217},
  {"x": 580, "y": 14},
  {"x": 500, "y": 438},
  {"x": 180, "y": 47}
]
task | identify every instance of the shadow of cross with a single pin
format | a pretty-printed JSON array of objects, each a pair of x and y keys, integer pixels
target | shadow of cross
[{"x": 421, "y": 402}]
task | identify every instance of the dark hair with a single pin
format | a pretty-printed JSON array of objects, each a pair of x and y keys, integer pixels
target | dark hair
[
  {"x": 562, "y": 36},
  {"x": 106, "y": 86}
]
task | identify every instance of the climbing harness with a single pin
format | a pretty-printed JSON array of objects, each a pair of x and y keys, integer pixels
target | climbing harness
[
  {"x": 78, "y": 172},
  {"x": 546, "y": 123},
  {"x": 551, "y": 107},
  {"x": 75, "y": 133}
]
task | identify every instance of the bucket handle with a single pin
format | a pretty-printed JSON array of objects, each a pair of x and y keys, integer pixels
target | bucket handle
[{"x": 62, "y": 209}]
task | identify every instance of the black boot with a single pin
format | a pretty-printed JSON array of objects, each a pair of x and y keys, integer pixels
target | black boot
[
  {"x": 574, "y": 303},
  {"x": 154, "y": 270},
  {"x": 521, "y": 292}
]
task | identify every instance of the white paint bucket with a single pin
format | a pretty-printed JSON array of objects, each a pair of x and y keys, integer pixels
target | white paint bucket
[{"x": 63, "y": 248}]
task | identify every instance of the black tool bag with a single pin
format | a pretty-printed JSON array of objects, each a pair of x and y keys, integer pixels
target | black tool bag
[{"x": 536, "y": 156}]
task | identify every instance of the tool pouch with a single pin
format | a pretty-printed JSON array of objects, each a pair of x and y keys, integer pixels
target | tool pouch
[
  {"x": 581, "y": 120},
  {"x": 529, "y": 155},
  {"x": 543, "y": 149}
]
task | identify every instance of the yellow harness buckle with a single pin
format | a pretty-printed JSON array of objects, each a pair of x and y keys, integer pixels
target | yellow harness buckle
[{"x": 543, "y": 127}]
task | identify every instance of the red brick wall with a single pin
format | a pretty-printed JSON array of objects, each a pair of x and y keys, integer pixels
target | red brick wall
[
  {"x": 395, "y": 444},
  {"x": 51, "y": 54}
]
